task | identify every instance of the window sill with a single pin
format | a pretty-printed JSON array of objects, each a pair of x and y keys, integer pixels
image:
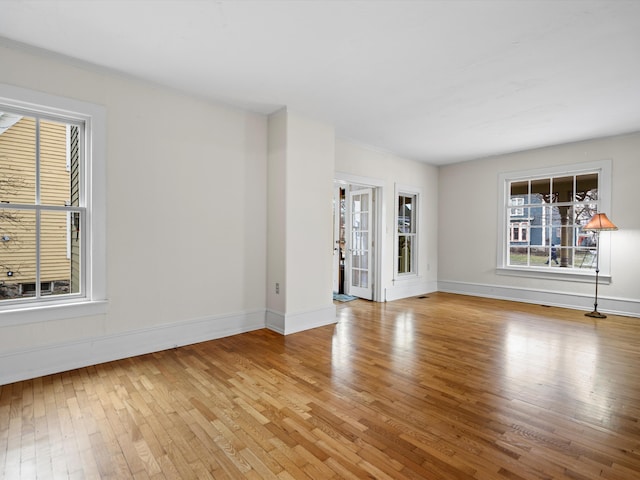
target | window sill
[
  {"x": 564, "y": 274},
  {"x": 49, "y": 311}
]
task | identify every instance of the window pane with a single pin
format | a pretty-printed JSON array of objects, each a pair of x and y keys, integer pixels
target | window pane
[
  {"x": 405, "y": 247},
  {"x": 518, "y": 256},
  {"x": 355, "y": 220},
  {"x": 520, "y": 188},
  {"x": 355, "y": 277},
  {"x": 55, "y": 251},
  {"x": 360, "y": 242},
  {"x": 540, "y": 256},
  {"x": 541, "y": 189},
  {"x": 359, "y": 260},
  {"x": 554, "y": 216},
  {"x": 363, "y": 221},
  {"x": 364, "y": 261},
  {"x": 55, "y": 164},
  {"x": 537, "y": 236},
  {"x": 563, "y": 189},
  {"x": 585, "y": 212},
  {"x": 360, "y": 221},
  {"x": 585, "y": 258},
  {"x": 18, "y": 159},
  {"x": 405, "y": 214},
  {"x": 587, "y": 187},
  {"x": 17, "y": 252},
  {"x": 572, "y": 236},
  {"x": 364, "y": 275},
  {"x": 565, "y": 256},
  {"x": 586, "y": 239}
]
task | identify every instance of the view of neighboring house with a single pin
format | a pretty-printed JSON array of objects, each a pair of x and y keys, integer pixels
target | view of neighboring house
[
  {"x": 545, "y": 221},
  {"x": 38, "y": 243}
]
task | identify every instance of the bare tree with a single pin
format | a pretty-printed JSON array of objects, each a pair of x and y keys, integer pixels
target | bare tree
[{"x": 12, "y": 223}]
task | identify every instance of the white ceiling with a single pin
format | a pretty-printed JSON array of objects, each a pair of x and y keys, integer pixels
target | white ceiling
[{"x": 436, "y": 81}]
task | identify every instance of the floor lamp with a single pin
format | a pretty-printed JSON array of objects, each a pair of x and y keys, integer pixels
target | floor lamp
[{"x": 598, "y": 223}]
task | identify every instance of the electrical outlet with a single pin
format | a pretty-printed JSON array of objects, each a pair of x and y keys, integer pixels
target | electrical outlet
[{"x": 277, "y": 288}]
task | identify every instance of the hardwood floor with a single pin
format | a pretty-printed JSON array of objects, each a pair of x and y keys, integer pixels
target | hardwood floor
[{"x": 443, "y": 387}]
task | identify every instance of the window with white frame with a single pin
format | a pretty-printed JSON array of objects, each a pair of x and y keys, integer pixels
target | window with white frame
[
  {"x": 519, "y": 232},
  {"x": 543, "y": 233},
  {"x": 52, "y": 205},
  {"x": 517, "y": 202},
  {"x": 406, "y": 233}
]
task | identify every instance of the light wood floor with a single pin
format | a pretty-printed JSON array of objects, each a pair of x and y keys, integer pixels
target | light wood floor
[{"x": 443, "y": 387}]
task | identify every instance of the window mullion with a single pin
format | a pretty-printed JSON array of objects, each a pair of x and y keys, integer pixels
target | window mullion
[
  {"x": 37, "y": 201},
  {"x": 38, "y": 251},
  {"x": 37, "y": 175}
]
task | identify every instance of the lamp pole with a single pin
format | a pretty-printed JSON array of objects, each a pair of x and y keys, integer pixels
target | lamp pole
[{"x": 596, "y": 313}]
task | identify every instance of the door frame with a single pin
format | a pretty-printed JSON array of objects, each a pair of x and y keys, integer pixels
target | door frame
[{"x": 346, "y": 179}]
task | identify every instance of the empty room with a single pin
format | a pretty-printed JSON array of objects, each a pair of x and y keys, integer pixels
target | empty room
[{"x": 315, "y": 239}]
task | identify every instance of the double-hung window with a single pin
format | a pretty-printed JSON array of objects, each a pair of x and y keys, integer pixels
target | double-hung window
[
  {"x": 406, "y": 232},
  {"x": 51, "y": 206},
  {"x": 542, "y": 213}
]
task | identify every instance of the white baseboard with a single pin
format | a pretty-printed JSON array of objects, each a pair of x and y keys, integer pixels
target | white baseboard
[
  {"x": 275, "y": 321},
  {"x": 407, "y": 289},
  {"x": 614, "y": 306},
  {"x": 286, "y": 324},
  {"x": 38, "y": 361}
]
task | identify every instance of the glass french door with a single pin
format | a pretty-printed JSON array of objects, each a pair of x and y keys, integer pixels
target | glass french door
[{"x": 360, "y": 242}]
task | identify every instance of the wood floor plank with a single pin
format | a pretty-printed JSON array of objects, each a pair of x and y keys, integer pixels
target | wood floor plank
[{"x": 443, "y": 387}]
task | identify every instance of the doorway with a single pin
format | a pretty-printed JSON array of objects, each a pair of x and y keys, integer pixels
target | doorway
[{"x": 355, "y": 253}]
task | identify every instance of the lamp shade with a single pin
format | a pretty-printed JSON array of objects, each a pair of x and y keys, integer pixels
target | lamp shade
[{"x": 599, "y": 223}]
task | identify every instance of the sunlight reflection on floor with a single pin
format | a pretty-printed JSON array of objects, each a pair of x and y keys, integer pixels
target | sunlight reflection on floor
[{"x": 556, "y": 364}]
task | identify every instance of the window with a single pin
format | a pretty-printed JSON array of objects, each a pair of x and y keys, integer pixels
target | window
[
  {"x": 52, "y": 206},
  {"x": 544, "y": 232},
  {"x": 517, "y": 201},
  {"x": 38, "y": 194},
  {"x": 519, "y": 231},
  {"x": 406, "y": 233}
]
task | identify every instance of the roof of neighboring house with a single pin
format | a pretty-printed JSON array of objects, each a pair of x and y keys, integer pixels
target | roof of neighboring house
[{"x": 8, "y": 120}]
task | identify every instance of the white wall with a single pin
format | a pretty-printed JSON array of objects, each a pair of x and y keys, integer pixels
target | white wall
[
  {"x": 468, "y": 205},
  {"x": 300, "y": 248},
  {"x": 276, "y": 218},
  {"x": 311, "y": 151},
  {"x": 186, "y": 227},
  {"x": 359, "y": 160}
]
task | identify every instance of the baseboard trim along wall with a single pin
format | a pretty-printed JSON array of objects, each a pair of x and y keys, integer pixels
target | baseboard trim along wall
[
  {"x": 286, "y": 324},
  {"x": 406, "y": 289},
  {"x": 614, "y": 306},
  {"x": 38, "y": 361}
]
